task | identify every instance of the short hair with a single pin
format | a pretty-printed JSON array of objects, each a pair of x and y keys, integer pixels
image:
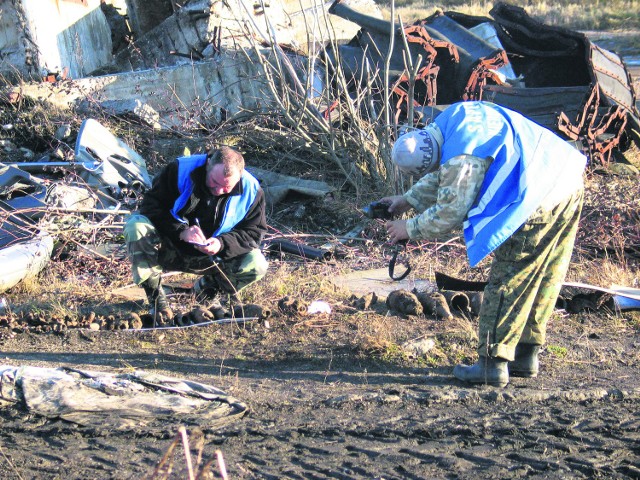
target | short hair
[{"x": 232, "y": 160}]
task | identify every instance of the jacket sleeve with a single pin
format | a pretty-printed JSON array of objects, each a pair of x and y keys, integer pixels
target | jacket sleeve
[
  {"x": 424, "y": 193},
  {"x": 247, "y": 234},
  {"x": 159, "y": 200},
  {"x": 458, "y": 183}
]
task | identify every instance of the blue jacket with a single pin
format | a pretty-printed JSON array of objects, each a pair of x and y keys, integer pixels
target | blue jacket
[
  {"x": 237, "y": 206},
  {"x": 529, "y": 163}
]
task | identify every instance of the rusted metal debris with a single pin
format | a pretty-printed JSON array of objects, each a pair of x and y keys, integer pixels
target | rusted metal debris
[
  {"x": 106, "y": 173},
  {"x": 557, "y": 77}
]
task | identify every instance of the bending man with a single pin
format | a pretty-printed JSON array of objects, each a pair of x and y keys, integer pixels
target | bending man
[
  {"x": 204, "y": 214},
  {"x": 516, "y": 188}
]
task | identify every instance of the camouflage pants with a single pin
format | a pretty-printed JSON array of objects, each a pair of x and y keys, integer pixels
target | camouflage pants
[
  {"x": 152, "y": 254},
  {"x": 525, "y": 280}
]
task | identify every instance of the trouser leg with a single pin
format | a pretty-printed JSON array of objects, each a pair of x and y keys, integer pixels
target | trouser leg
[
  {"x": 525, "y": 280},
  {"x": 149, "y": 255},
  {"x": 239, "y": 272},
  {"x": 143, "y": 245},
  {"x": 535, "y": 329}
]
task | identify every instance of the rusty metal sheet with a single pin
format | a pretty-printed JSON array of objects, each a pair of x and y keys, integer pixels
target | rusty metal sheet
[
  {"x": 613, "y": 78},
  {"x": 561, "y": 80},
  {"x": 477, "y": 61}
]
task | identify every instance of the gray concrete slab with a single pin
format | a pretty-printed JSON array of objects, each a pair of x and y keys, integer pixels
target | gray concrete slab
[{"x": 377, "y": 280}]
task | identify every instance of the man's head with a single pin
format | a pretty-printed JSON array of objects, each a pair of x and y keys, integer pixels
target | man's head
[
  {"x": 418, "y": 152},
  {"x": 224, "y": 169}
]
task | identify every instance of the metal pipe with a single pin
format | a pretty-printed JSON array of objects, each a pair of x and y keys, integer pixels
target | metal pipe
[
  {"x": 374, "y": 24},
  {"x": 298, "y": 249}
]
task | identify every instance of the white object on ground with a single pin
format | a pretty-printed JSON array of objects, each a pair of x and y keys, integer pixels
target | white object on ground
[
  {"x": 319, "y": 306},
  {"x": 24, "y": 260}
]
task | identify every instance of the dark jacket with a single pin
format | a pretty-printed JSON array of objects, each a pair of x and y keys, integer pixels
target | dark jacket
[{"x": 159, "y": 200}]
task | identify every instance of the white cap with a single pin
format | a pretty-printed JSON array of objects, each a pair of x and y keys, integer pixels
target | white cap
[{"x": 418, "y": 152}]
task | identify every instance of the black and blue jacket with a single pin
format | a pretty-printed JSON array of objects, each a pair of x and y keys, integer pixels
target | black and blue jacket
[{"x": 179, "y": 196}]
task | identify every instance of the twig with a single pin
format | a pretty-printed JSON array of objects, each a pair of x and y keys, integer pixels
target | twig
[
  {"x": 165, "y": 460},
  {"x": 93, "y": 252},
  {"x": 412, "y": 72},
  {"x": 102, "y": 211},
  {"x": 221, "y": 465},
  {"x": 582, "y": 362},
  {"x": 187, "y": 450},
  {"x": 444, "y": 244},
  {"x": 319, "y": 236},
  {"x": 311, "y": 323},
  {"x": 219, "y": 459},
  {"x": 13, "y": 467},
  {"x": 387, "y": 62}
]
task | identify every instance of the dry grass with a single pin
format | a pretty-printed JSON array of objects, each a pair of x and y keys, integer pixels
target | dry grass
[
  {"x": 304, "y": 279},
  {"x": 578, "y": 15},
  {"x": 173, "y": 465}
]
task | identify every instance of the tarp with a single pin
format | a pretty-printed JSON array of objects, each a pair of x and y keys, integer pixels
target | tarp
[{"x": 121, "y": 401}]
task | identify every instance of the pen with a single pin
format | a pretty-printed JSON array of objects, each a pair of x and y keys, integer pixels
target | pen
[{"x": 197, "y": 222}]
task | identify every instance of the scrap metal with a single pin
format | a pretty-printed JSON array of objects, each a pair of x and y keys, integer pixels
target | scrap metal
[{"x": 562, "y": 80}]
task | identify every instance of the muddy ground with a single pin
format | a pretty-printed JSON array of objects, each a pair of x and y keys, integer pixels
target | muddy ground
[
  {"x": 320, "y": 408},
  {"x": 335, "y": 395}
]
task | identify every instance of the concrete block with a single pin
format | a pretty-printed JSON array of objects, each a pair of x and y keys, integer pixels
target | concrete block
[{"x": 38, "y": 37}]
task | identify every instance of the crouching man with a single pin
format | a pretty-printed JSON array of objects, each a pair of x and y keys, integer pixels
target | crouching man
[
  {"x": 204, "y": 214},
  {"x": 516, "y": 188}
]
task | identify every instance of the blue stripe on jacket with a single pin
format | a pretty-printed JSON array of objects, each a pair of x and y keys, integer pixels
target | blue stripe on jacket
[
  {"x": 529, "y": 163},
  {"x": 237, "y": 206}
]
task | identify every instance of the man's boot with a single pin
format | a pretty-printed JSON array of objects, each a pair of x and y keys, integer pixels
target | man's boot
[
  {"x": 213, "y": 288},
  {"x": 487, "y": 370},
  {"x": 525, "y": 363},
  {"x": 159, "y": 305},
  {"x": 206, "y": 288}
]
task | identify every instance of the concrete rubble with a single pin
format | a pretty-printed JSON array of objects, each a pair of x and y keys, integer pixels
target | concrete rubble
[
  {"x": 196, "y": 66},
  {"x": 202, "y": 62}
]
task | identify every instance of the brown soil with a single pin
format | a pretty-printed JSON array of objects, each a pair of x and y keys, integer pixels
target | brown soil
[{"x": 320, "y": 408}]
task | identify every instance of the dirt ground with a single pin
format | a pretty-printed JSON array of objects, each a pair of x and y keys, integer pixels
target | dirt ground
[
  {"x": 334, "y": 396},
  {"x": 322, "y": 409}
]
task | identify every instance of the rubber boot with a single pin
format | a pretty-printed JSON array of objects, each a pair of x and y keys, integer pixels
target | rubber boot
[
  {"x": 487, "y": 371},
  {"x": 159, "y": 310},
  {"x": 211, "y": 288},
  {"x": 525, "y": 363},
  {"x": 206, "y": 288}
]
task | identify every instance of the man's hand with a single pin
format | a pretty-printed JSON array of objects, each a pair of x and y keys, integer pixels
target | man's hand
[
  {"x": 397, "y": 204},
  {"x": 213, "y": 246},
  {"x": 193, "y": 235},
  {"x": 397, "y": 231}
]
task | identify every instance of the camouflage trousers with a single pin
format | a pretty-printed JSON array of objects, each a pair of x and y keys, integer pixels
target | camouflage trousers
[
  {"x": 525, "y": 279},
  {"x": 152, "y": 254}
]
